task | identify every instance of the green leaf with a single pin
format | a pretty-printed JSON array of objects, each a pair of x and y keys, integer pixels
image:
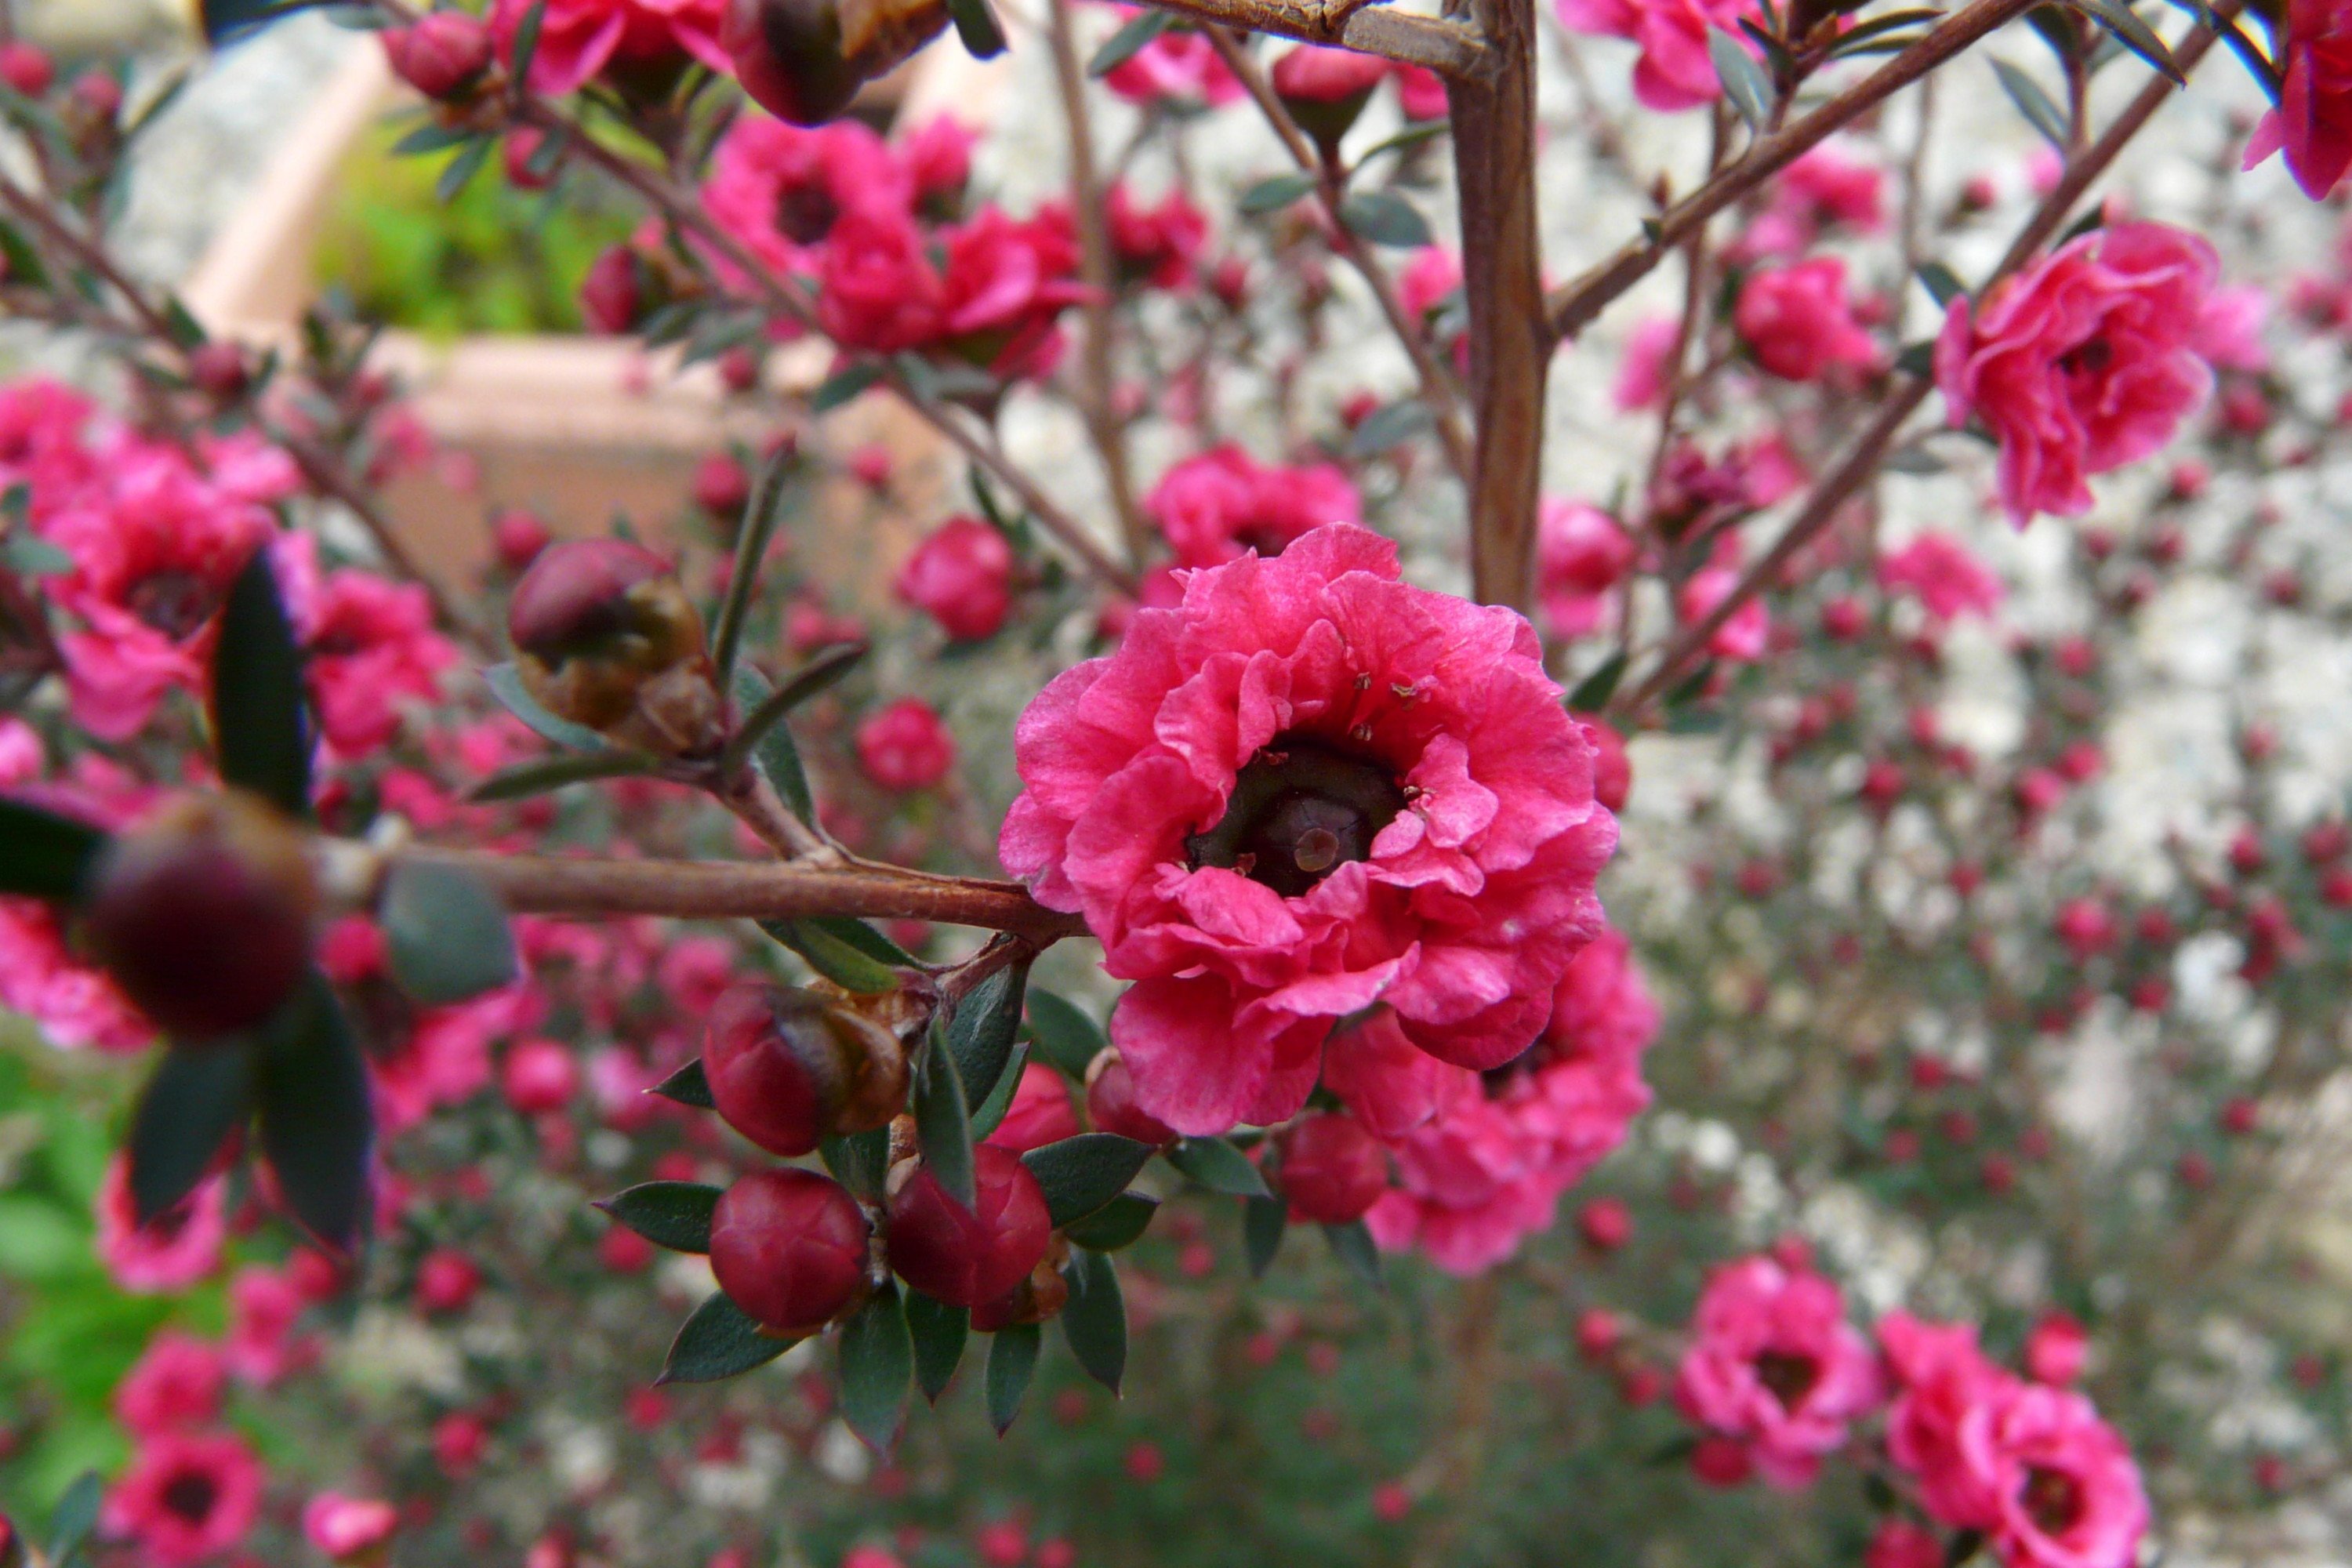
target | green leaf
[
  {"x": 459, "y": 171},
  {"x": 764, "y": 714},
  {"x": 1744, "y": 81},
  {"x": 1081, "y": 1175},
  {"x": 431, "y": 137},
  {"x": 446, "y": 933},
  {"x": 28, "y": 555},
  {"x": 844, "y": 385},
  {"x": 1593, "y": 693},
  {"x": 844, "y": 962},
  {"x": 1263, "y": 1223},
  {"x": 676, "y": 1214},
  {"x": 982, "y": 1029},
  {"x": 1943, "y": 285},
  {"x": 1095, "y": 1320},
  {"x": 990, "y": 1114},
  {"x": 764, "y": 511},
  {"x": 773, "y": 750},
  {"x": 526, "y": 43},
  {"x": 226, "y": 21},
  {"x": 878, "y": 1367},
  {"x": 1412, "y": 136},
  {"x": 939, "y": 1331},
  {"x": 1917, "y": 358},
  {"x": 2033, "y": 103},
  {"x": 860, "y": 1161},
  {"x": 526, "y": 779},
  {"x": 975, "y": 24},
  {"x": 943, "y": 1119},
  {"x": 75, "y": 1516},
  {"x": 317, "y": 1123},
  {"x": 1013, "y": 1352},
  {"x": 506, "y": 684},
  {"x": 42, "y": 854},
  {"x": 1216, "y": 1165},
  {"x": 260, "y": 728},
  {"x": 689, "y": 1085},
  {"x": 1389, "y": 427},
  {"x": 1386, "y": 218},
  {"x": 1352, "y": 1244},
  {"x": 1118, "y": 1224},
  {"x": 198, "y": 1097},
  {"x": 1274, "y": 193},
  {"x": 2134, "y": 34},
  {"x": 1126, "y": 43},
  {"x": 1065, "y": 1036},
  {"x": 720, "y": 1340}
]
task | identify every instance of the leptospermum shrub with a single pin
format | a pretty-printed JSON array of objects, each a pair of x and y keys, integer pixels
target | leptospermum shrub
[{"x": 1745, "y": 962}]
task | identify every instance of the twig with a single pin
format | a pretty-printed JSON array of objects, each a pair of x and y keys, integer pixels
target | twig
[{"x": 1445, "y": 45}]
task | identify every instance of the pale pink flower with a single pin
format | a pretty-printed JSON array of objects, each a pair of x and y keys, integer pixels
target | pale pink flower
[{"x": 345, "y": 1526}]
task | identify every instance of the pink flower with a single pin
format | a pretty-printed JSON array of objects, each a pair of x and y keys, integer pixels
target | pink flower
[
  {"x": 876, "y": 288},
  {"x": 1774, "y": 1363},
  {"x": 1799, "y": 323},
  {"x": 343, "y": 1526},
  {"x": 906, "y": 746},
  {"x": 174, "y": 1383},
  {"x": 937, "y": 158},
  {"x": 74, "y": 1005},
  {"x": 1899, "y": 1543},
  {"x": 1310, "y": 73},
  {"x": 1675, "y": 71},
  {"x": 1040, "y": 1113},
  {"x": 2056, "y": 1349},
  {"x": 1819, "y": 192},
  {"x": 780, "y": 189},
  {"x": 264, "y": 1306},
  {"x": 579, "y": 39},
  {"x": 1421, "y": 92},
  {"x": 1307, "y": 789},
  {"x": 1641, "y": 373},
  {"x": 172, "y": 1252},
  {"x": 1214, "y": 507},
  {"x": 1740, "y": 638},
  {"x": 1581, "y": 554},
  {"x": 1179, "y": 66},
  {"x": 1006, "y": 283},
  {"x": 2084, "y": 364},
  {"x": 1945, "y": 574},
  {"x": 1942, "y": 1382},
  {"x": 1162, "y": 244},
  {"x": 962, "y": 576},
  {"x": 1429, "y": 278},
  {"x": 2230, "y": 333},
  {"x": 186, "y": 1497},
  {"x": 369, "y": 645},
  {"x": 2314, "y": 118}
]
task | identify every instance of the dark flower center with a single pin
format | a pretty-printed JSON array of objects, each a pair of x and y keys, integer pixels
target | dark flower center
[
  {"x": 806, "y": 213},
  {"x": 1298, "y": 811},
  {"x": 190, "y": 1495},
  {"x": 1263, "y": 537},
  {"x": 1787, "y": 1378},
  {"x": 176, "y": 603},
  {"x": 2088, "y": 359},
  {"x": 2053, "y": 1500}
]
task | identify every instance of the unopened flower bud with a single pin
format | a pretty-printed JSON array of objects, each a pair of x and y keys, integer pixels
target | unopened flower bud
[
  {"x": 1040, "y": 1295},
  {"x": 26, "y": 68},
  {"x": 789, "y": 1248},
  {"x": 1333, "y": 1170},
  {"x": 1324, "y": 89},
  {"x": 613, "y": 294},
  {"x": 788, "y": 1070},
  {"x": 606, "y": 637},
  {"x": 1110, "y": 1103},
  {"x": 803, "y": 60},
  {"x": 441, "y": 53},
  {"x": 970, "y": 1257},
  {"x": 202, "y": 915},
  {"x": 539, "y": 1076}
]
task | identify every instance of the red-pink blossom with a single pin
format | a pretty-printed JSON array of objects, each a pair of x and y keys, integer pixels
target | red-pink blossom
[
  {"x": 345, "y": 1527},
  {"x": 1899, "y": 1543},
  {"x": 265, "y": 1304},
  {"x": 2082, "y": 363},
  {"x": 1005, "y": 286},
  {"x": 579, "y": 39},
  {"x": 779, "y": 189},
  {"x": 75, "y": 1004},
  {"x": 962, "y": 576},
  {"x": 1421, "y": 92},
  {"x": 906, "y": 746},
  {"x": 1774, "y": 1364},
  {"x": 171, "y": 1252},
  {"x": 1582, "y": 553},
  {"x": 1214, "y": 506},
  {"x": 2056, "y": 1349},
  {"x": 1945, "y": 574},
  {"x": 1741, "y": 638},
  {"x": 1307, "y": 789},
  {"x": 877, "y": 287},
  {"x": 2312, "y": 121},
  {"x": 937, "y": 156},
  {"x": 175, "y": 1383},
  {"x": 369, "y": 647},
  {"x": 2230, "y": 333},
  {"x": 1179, "y": 66},
  {"x": 186, "y": 1497},
  {"x": 1675, "y": 69},
  {"x": 1642, "y": 373},
  {"x": 1160, "y": 244},
  {"x": 1799, "y": 323},
  {"x": 1820, "y": 191},
  {"x": 1041, "y": 1112}
]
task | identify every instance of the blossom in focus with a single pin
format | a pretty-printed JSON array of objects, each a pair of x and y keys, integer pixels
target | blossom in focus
[
  {"x": 1214, "y": 506},
  {"x": 962, "y": 576},
  {"x": 1307, "y": 789},
  {"x": 2082, "y": 363},
  {"x": 186, "y": 1497},
  {"x": 1675, "y": 71},
  {"x": 779, "y": 189},
  {"x": 1799, "y": 323},
  {"x": 581, "y": 39},
  {"x": 2313, "y": 121},
  {"x": 1581, "y": 554},
  {"x": 1774, "y": 1364},
  {"x": 1945, "y": 576}
]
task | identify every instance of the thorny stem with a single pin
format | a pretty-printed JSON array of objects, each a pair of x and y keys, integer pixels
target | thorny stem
[
  {"x": 1573, "y": 307},
  {"x": 1863, "y": 458},
  {"x": 1437, "y": 384},
  {"x": 1445, "y": 45}
]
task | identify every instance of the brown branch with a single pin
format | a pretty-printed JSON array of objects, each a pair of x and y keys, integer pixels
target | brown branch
[
  {"x": 1437, "y": 385},
  {"x": 1502, "y": 275},
  {"x": 1863, "y": 458},
  {"x": 714, "y": 889},
  {"x": 1445, "y": 45},
  {"x": 1573, "y": 307}
]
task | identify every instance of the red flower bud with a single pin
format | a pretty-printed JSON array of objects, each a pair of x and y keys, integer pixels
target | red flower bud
[
  {"x": 26, "y": 68},
  {"x": 790, "y": 1248},
  {"x": 613, "y": 294},
  {"x": 1333, "y": 1170},
  {"x": 787, "y": 1071},
  {"x": 1606, "y": 1223},
  {"x": 803, "y": 60},
  {"x": 441, "y": 53},
  {"x": 970, "y": 1257},
  {"x": 1324, "y": 89},
  {"x": 446, "y": 1281},
  {"x": 540, "y": 1077},
  {"x": 1110, "y": 1103},
  {"x": 606, "y": 637},
  {"x": 202, "y": 915},
  {"x": 1041, "y": 1295},
  {"x": 518, "y": 536},
  {"x": 721, "y": 487}
]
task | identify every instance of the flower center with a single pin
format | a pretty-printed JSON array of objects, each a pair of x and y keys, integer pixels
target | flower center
[
  {"x": 176, "y": 603},
  {"x": 1787, "y": 1378},
  {"x": 1298, "y": 811},
  {"x": 2053, "y": 1500},
  {"x": 2088, "y": 359},
  {"x": 191, "y": 1497},
  {"x": 806, "y": 213}
]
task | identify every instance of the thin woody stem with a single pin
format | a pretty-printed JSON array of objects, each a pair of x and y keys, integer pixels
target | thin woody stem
[
  {"x": 1574, "y": 306},
  {"x": 1861, "y": 460},
  {"x": 1445, "y": 45}
]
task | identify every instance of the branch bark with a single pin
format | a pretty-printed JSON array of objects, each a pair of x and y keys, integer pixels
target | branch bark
[{"x": 1444, "y": 45}]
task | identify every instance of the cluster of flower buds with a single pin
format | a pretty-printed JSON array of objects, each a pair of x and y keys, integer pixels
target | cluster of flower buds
[
  {"x": 789, "y": 1068},
  {"x": 606, "y": 637},
  {"x": 803, "y": 60}
]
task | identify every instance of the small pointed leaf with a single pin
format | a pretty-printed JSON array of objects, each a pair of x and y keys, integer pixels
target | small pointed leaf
[
  {"x": 1065, "y": 1036},
  {"x": 1352, "y": 1244},
  {"x": 260, "y": 727},
  {"x": 719, "y": 1341},
  {"x": 877, "y": 1368},
  {"x": 939, "y": 1331},
  {"x": 1081, "y": 1175},
  {"x": 942, "y": 1120},
  {"x": 1216, "y": 1165},
  {"x": 318, "y": 1126},
  {"x": 1263, "y": 1223},
  {"x": 1095, "y": 1320},
  {"x": 506, "y": 684},
  {"x": 198, "y": 1097},
  {"x": 981, "y": 1032},
  {"x": 1119, "y": 1223},
  {"x": 676, "y": 1214},
  {"x": 446, "y": 933},
  {"x": 1012, "y": 1364},
  {"x": 689, "y": 1085},
  {"x": 989, "y": 1115},
  {"x": 1128, "y": 41}
]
